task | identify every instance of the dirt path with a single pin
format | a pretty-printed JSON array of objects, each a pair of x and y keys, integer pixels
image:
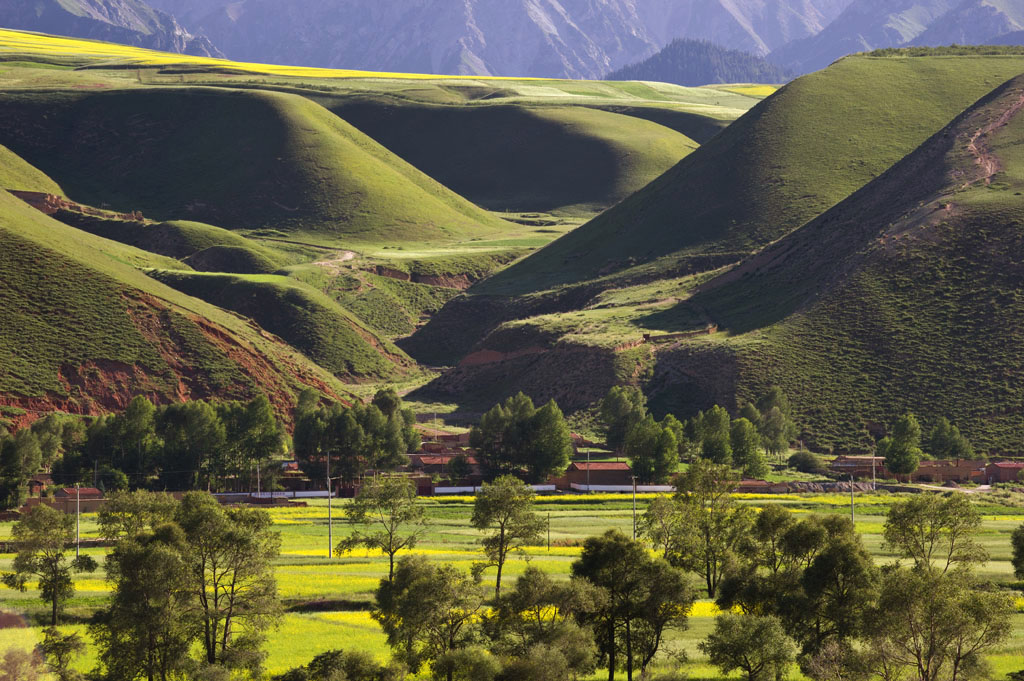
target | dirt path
[
  {"x": 983, "y": 156},
  {"x": 966, "y": 490},
  {"x": 335, "y": 263}
]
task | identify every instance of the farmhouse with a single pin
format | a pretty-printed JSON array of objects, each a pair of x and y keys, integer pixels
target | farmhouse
[
  {"x": 601, "y": 473},
  {"x": 859, "y": 466},
  {"x": 82, "y": 493},
  {"x": 1003, "y": 471}
]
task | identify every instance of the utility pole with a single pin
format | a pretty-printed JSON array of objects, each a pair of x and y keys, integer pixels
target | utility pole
[
  {"x": 549, "y": 530},
  {"x": 257, "y": 479},
  {"x": 634, "y": 508},
  {"x": 853, "y": 517},
  {"x": 330, "y": 527},
  {"x": 588, "y": 472},
  {"x": 78, "y": 520}
]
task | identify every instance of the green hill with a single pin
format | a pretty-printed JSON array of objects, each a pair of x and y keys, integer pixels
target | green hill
[
  {"x": 304, "y": 317},
  {"x": 553, "y": 159},
  {"x": 83, "y": 331},
  {"x": 905, "y": 297},
  {"x": 16, "y": 174},
  {"x": 789, "y": 159},
  {"x": 203, "y": 247},
  {"x": 239, "y": 159}
]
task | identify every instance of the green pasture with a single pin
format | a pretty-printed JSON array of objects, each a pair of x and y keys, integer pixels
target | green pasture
[{"x": 327, "y": 599}]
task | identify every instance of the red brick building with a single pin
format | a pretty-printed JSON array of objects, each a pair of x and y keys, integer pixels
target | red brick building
[
  {"x": 602, "y": 473},
  {"x": 1003, "y": 471}
]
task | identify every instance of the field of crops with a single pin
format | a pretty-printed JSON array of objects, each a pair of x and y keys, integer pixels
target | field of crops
[{"x": 327, "y": 599}]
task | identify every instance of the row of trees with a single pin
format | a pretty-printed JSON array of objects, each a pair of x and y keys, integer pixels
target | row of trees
[
  {"x": 339, "y": 441},
  {"x": 902, "y": 449},
  {"x": 809, "y": 586},
  {"x": 186, "y": 577},
  {"x": 190, "y": 445},
  {"x": 655, "y": 448},
  {"x": 516, "y": 437}
]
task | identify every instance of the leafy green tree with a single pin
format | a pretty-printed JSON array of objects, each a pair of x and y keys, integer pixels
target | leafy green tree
[
  {"x": 645, "y": 598},
  {"x": 664, "y": 523},
  {"x": 60, "y": 652},
  {"x": 1017, "y": 547},
  {"x": 751, "y": 413},
  {"x": 56, "y": 434},
  {"x": 194, "y": 445},
  {"x": 936, "y": 532},
  {"x": 902, "y": 451},
  {"x": 388, "y": 504},
  {"x": 230, "y": 562},
  {"x": 678, "y": 430},
  {"x": 253, "y": 434},
  {"x": 20, "y": 459},
  {"x": 716, "y": 441},
  {"x": 388, "y": 401},
  {"x": 504, "y": 507},
  {"x": 805, "y": 462},
  {"x": 756, "y": 645},
  {"x": 715, "y": 526},
  {"x": 126, "y": 514},
  {"x": 150, "y": 624},
  {"x": 938, "y": 625},
  {"x": 466, "y": 664},
  {"x": 136, "y": 435},
  {"x": 620, "y": 410},
  {"x": 652, "y": 451},
  {"x": 946, "y": 442},
  {"x": 516, "y": 437},
  {"x": 776, "y": 422},
  {"x": 540, "y": 611},
  {"x": 746, "y": 449},
  {"x": 41, "y": 536},
  {"x": 427, "y": 611}
]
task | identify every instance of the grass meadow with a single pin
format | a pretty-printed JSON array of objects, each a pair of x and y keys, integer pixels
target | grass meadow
[{"x": 327, "y": 599}]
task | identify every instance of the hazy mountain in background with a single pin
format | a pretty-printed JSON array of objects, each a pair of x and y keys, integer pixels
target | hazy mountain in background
[
  {"x": 698, "y": 62},
  {"x": 554, "y": 38},
  {"x": 129, "y": 22},
  {"x": 872, "y": 24}
]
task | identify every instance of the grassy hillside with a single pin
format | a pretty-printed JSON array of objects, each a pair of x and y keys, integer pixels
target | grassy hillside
[
  {"x": 789, "y": 159},
  {"x": 15, "y": 173},
  {"x": 83, "y": 331},
  {"x": 238, "y": 159},
  {"x": 203, "y": 247},
  {"x": 305, "y": 318},
  {"x": 564, "y": 159},
  {"x": 904, "y": 297}
]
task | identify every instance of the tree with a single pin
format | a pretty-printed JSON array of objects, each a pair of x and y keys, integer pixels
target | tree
[
  {"x": 902, "y": 451},
  {"x": 136, "y": 434},
  {"x": 946, "y": 442},
  {"x": 253, "y": 434},
  {"x": 150, "y": 624},
  {"x": 937, "y": 625},
  {"x": 678, "y": 430},
  {"x": 41, "y": 536},
  {"x": 506, "y": 507},
  {"x": 929, "y": 529},
  {"x": 754, "y": 644},
  {"x": 645, "y": 598},
  {"x": 716, "y": 444},
  {"x": 194, "y": 443},
  {"x": 621, "y": 409},
  {"x": 746, "y": 449},
  {"x": 19, "y": 665},
  {"x": 516, "y": 437},
  {"x": 664, "y": 524},
  {"x": 652, "y": 451},
  {"x": 229, "y": 557},
  {"x": 776, "y": 422},
  {"x": 60, "y": 651},
  {"x": 126, "y": 514},
  {"x": 20, "y": 458},
  {"x": 427, "y": 611},
  {"x": 1017, "y": 546},
  {"x": 540, "y": 612},
  {"x": 714, "y": 524},
  {"x": 389, "y": 504}
]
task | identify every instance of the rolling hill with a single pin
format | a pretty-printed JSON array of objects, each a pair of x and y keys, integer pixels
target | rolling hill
[
  {"x": 592, "y": 294},
  {"x": 129, "y": 22},
  {"x": 83, "y": 331},
  {"x": 904, "y": 297},
  {"x": 698, "y": 62},
  {"x": 237, "y": 159}
]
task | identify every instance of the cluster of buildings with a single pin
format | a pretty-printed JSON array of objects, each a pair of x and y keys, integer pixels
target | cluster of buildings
[{"x": 937, "y": 472}]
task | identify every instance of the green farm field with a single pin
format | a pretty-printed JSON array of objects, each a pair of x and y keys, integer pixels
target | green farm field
[{"x": 327, "y": 599}]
